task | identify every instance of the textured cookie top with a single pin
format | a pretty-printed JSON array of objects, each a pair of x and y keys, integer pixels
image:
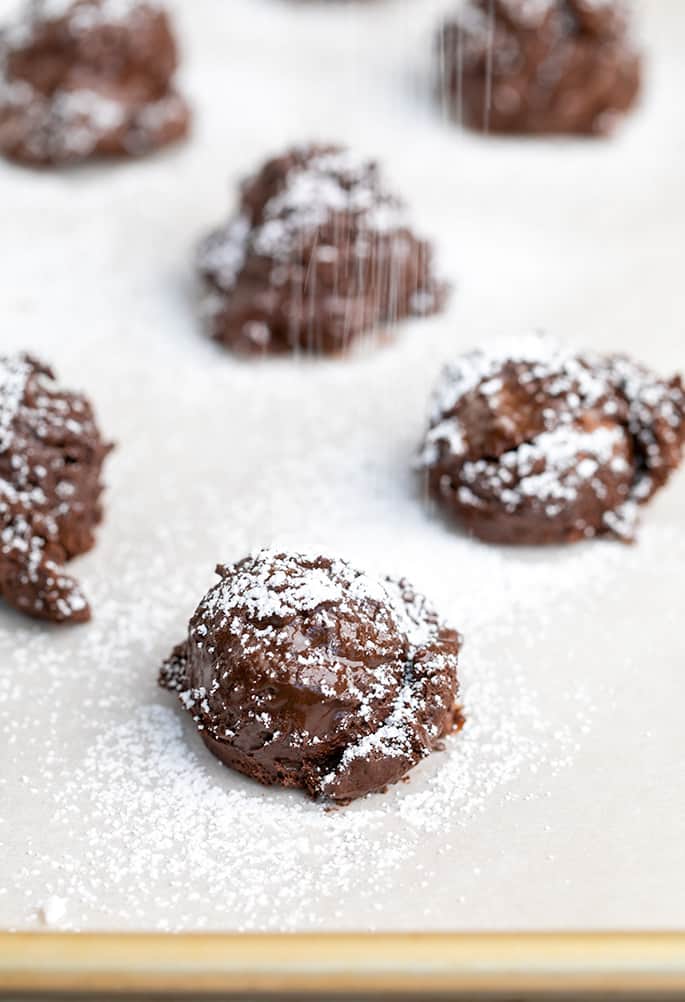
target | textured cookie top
[
  {"x": 86, "y": 77},
  {"x": 538, "y": 66},
  {"x": 76, "y": 45},
  {"x": 318, "y": 253},
  {"x": 72, "y": 17},
  {"x": 530, "y": 418},
  {"x": 602, "y": 18},
  {"x": 305, "y": 658},
  {"x": 51, "y": 453},
  {"x": 298, "y": 197},
  {"x": 14, "y": 375}
]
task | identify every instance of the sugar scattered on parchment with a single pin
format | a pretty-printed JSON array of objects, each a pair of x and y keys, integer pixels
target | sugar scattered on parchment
[
  {"x": 147, "y": 830},
  {"x": 52, "y": 913},
  {"x": 124, "y": 814},
  {"x": 160, "y": 825}
]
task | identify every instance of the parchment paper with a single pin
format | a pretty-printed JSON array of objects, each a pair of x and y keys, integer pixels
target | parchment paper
[{"x": 567, "y": 809}]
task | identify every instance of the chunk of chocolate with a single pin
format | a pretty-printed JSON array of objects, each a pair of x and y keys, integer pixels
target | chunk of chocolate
[
  {"x": 530, "y": 442},
  {"x": 87, "y": 78},
  {"x": 304, "y": 672},
  {"x": 539, "y": 66},
  {"x": 51, "y": 456},
  {"x": 318, "y": 254}
]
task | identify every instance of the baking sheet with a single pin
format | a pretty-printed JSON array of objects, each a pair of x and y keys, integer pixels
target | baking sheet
[{"x": 561, "y": 803}]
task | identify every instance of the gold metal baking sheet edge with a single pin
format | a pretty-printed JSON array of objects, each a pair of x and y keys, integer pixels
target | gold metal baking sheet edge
[{"x": 646, "y": 963}]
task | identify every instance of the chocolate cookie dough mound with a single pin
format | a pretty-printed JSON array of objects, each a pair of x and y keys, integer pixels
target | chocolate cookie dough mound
[
  {"x": 51, "y": 456},
  {"x": 304, "y": 672},
  {"x": 86, "y": 78},
  {"x": 318, "y": 254},
  {"x": 539, "y": 66},
  {"x": 532, "y": 443}
]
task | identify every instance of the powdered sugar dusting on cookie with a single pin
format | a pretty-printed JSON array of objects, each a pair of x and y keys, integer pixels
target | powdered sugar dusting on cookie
[
  {"x": 108, "y": 799},
  {"x": 278, "y": 584},
  {"x": 549, "y": 469},
  {"x": 319, "y": 253},
  {"x": 315, "y": 189},
  {"x": 79, "y": 15},
  {"x": 146, "y": 787},
  {"x": 14, "y": 374},
  {"x": 538, "y": 66},
  {"x": 543, "y": 353},
  {"x": 338, "y": 182},
  {"x": 145, "y": 828},
  {"x": 91, "y": 108},
  {"x": 333, "y": 664},
  {"x": 528, "y": 421},
  {"x": 50, "y": 459}
]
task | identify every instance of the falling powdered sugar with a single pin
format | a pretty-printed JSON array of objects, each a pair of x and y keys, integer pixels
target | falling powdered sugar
[{"x": 337, "y": 182}]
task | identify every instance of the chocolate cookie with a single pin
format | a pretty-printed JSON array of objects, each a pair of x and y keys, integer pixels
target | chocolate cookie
[
  {"x": 539, "y": 66},
  {"x": 86, "y": 78},
  {"x": 51, "y": 456},
  {"x": 530, "y": 442},
  {"x": 304, "y": 672},
  {"x": 318, "y": 254}
]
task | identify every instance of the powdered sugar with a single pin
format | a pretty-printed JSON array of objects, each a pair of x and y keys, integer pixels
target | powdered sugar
[
  {"x": 14, "y": 373},
  {"x": 545, "y": 355},
  {"x": 79, "y": 15},
  {"x": 474, "y": 16},
  {"x": 169, "y": 839},
  {"x": 276, "y": 584},
  {"x": 336, "y": 182},
  {"x": 52, "y": 913},
  {"x": 558, "y": 805},
  {"x": 173, "y": 842},
  {"x": 294, "y": 633},
  {"x": 551, "y": 457},
  {"x": 39, "y": 425},
  {"x": 557, "y": 452},
  {"x": 67, "y": 123},
  {"x": 223, "y": 252}
]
